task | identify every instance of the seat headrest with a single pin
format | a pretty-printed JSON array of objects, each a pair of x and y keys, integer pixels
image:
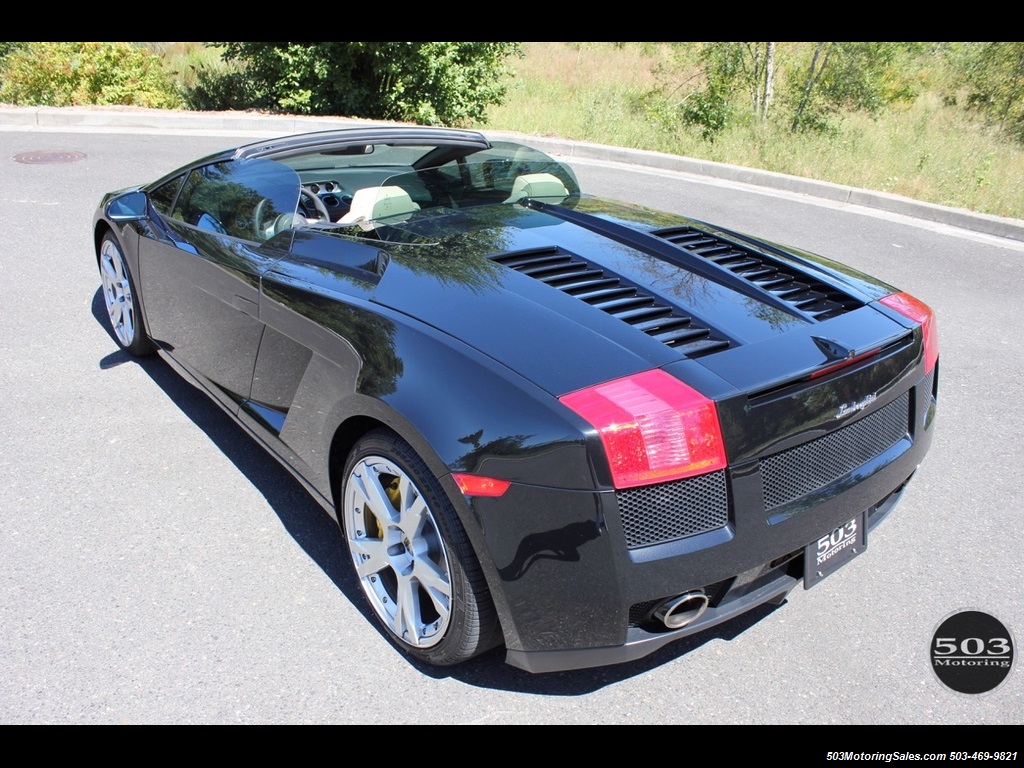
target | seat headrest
[
  {"x": 378, "y": 203},
  {"x": 542, "y": 186}
]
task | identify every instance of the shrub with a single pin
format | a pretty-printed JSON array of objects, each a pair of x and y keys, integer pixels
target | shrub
[
  {"x": 446, "y": 83},
  {"x": 218, "y": 87},
  {"x": 65, "y": 74},
  {"x": 6, "y": 48}
]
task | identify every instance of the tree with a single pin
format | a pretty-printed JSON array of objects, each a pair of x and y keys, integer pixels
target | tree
[
  {"x": 853, "y": 76},
  {"x": 764, "y": 92},
  {"x": 994, "y": 75},
  {"x": 430, "y": 83},
  {"x": 725, "y": 70}
]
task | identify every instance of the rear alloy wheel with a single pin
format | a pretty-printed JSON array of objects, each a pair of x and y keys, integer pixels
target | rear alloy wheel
[
  {"x": 411, "y": 555},
  {"x": 119, "y": 297}
]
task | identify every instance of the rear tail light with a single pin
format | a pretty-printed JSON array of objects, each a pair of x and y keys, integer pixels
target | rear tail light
[
  {"x": 654, "y": 428},
  {"x": 919, "y": 312}
]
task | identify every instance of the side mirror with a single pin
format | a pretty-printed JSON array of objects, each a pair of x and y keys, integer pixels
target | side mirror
[{"x": 131, "y": 207}]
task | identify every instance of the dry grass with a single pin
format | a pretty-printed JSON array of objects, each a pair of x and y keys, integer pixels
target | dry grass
[{"x": 583, "y": 91}]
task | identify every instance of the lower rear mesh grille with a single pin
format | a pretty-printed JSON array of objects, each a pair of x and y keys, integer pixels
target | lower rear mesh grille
[
  {"x": 789, "y": 476},
  {"x": 659, "y": 514}
]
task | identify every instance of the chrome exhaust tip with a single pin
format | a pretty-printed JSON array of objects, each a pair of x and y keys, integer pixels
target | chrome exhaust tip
[{"x": 682, "y": 611}]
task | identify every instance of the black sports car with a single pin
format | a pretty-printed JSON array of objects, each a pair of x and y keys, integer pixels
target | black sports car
[{"x": 573, "y": 427}]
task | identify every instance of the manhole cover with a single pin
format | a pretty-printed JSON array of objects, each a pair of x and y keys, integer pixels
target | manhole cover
[{"x": 49, "y": 156}]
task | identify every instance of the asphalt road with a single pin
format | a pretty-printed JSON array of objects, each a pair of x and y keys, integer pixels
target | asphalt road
[{"x": 158, "y": 568}]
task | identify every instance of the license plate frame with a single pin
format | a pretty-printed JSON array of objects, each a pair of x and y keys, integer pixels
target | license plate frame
[{"x": 832, "y": 551}]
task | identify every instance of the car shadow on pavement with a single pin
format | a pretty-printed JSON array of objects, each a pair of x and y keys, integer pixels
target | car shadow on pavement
[
  {"x": 321, "y": 538},
  {"x": 303, "y": 518}
]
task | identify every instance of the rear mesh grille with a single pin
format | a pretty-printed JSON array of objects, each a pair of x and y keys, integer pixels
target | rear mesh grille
[
  {"x": 789, "y": 476},
  {"x": 659, "y": 514},
  {"x": 804, "y": 293},
  {"x": 615, "y": 295}
]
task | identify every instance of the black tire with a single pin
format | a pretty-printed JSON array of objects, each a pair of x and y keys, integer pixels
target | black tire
[
  {"x": 411, "y": 555},
  {"x": 119, "y": 296}
]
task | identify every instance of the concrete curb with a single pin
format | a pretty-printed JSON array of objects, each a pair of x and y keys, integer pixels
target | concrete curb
[{"x": 99, "y": 119}]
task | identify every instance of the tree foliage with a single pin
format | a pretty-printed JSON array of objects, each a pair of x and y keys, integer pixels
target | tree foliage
[
  {"x": 65, "y": 74},
  {"x": 728, "y": 73},
  {"x": 428, "y": 82},
  {"x": 6, "y": 48},
  {"x": 742, "y": 69},
  {"x": 994, "y": 76},
  {"x": 814, "y": 81},
  {"x": 847, "y": 76},
  {"x": 698, "y": 87}
]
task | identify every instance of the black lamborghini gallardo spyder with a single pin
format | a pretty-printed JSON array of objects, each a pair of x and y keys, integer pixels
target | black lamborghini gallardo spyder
[{"x": 571, "y": 427}]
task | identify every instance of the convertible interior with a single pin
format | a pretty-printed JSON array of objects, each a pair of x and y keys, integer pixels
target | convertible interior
[
  {"x": 359, "y": 193},
  {"x": 364, "y": 188}
]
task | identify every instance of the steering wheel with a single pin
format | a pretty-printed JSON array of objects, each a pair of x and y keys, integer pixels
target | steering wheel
[
  {"x": 318, "y": 206},
  {"x": 263, "y": 228},
  {"x": 266, "y": 224}
]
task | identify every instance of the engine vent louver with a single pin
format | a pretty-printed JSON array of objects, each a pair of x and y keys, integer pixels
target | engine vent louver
[
  {"x": 615, "y": 295},
  {"x": 810, "y": 296}
]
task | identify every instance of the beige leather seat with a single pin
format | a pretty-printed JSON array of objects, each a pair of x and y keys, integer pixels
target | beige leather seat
[
  {"x": 374, "y": 204},
  {"x": 545, "y": 187}
]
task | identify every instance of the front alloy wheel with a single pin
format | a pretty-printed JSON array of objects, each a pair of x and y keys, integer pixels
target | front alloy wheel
[
  {"x": 119, "y": 297},
  {"x": 411, "y": 555}
]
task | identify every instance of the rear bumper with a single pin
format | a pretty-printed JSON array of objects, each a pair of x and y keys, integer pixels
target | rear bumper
[
  {"x": 574, "y": 589},
  {"x": 641, "y": 644},
  {"x": 769, "y": 587}
]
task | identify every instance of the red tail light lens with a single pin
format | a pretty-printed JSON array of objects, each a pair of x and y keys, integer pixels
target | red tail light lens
[
  {"x": 655, "y": 429},
  {"x": 921, "y": 313}
]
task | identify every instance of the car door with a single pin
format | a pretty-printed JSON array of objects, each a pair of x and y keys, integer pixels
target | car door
[{"x": 201, "y": 275}]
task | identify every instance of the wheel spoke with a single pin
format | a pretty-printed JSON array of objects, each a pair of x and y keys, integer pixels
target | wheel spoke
[
  {"x": 115, "y": 311},
  {"x": 414, "y": 515},
  {"x": 435, "y": 583},
  {"x": 372, "y": 557},
  {"x": 374, "y": 496},
  {"x": 127, "y": 332},
  {"x": 109, "y": 273},
  {"x": 408, "y": 621}
]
